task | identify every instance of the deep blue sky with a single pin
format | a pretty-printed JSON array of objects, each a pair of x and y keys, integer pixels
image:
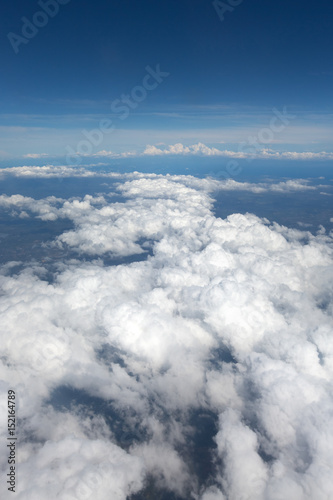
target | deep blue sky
[{"x": 264, "y": 54}]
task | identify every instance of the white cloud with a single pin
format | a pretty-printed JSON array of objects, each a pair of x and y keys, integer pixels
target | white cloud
[
  {"x": 307, "y": 155},
  {"x": 35, "y": 155},
  {"x": 195, "y": 149},
  {"x": 74, "y": 468},
  {"x": 245, "y": 473},
  {"x": 180, "y": 149},
  {"x": 117, "y": 228},
  {"x": 228, "y": 316},
  {"x": 288, "y": 186},
  {"x": 246, "y": 151},
  {"x": 243, "y": 151},
  {"x": 218, "y": 182},
  {"x": 45, "y": 208},
  {"x": 48, "y": 171}
]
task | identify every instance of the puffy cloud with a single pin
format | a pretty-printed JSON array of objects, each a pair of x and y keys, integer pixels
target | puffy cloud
[
  {"x": 245, "y": 150},
  {"x": 195, "y": 149},
  {"x": 47, "y": 171},
  {"x": 75, "y": 469},
  {"x": 111, "y": 365},
  {"x": 165, "y": 204},
  {"x": 165, "y": 464},
  {"x": 45, "y": 208},
  {"x": 245, "y": 473},
  {"x": 155, "y": 204},
  {"x": 180, "y": 149},
  {"x": 265, "y": 153}
]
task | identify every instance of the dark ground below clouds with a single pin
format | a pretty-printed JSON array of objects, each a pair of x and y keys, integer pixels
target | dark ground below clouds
[{"x": 305, "y": 210}]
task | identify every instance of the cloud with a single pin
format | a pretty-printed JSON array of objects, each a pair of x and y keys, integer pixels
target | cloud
[
  {"x": 45, "y": 208},
  {"x": 235, "y": 126},
  {"x": 214, "y": 181},
  {"x": 264, "y": 153},
  {"x": 35, "y": 155},
  {"x": 110, "y": 154},
  {"x": 227, "y": 322},
  {"x": 196, "y": 149},
  {"x": 291, "y": 185},
  {"x": 101, "y": 228},
  {"x": 245, "y": 150},
  {"x": 245, "y": 471},
  {"x": 307, "y": 155},
  {"x": 47, "y": 171},
  {"x": 180, "y": 149},
  {"x": 73, "y": 468}
]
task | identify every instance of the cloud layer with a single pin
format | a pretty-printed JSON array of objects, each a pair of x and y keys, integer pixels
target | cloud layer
[
  {"x": 245, "y": 150},
  {"x": 228, "y": 320}
]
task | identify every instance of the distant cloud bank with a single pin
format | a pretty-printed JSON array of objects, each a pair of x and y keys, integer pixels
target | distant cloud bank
[{"x": 200, "y": 149}]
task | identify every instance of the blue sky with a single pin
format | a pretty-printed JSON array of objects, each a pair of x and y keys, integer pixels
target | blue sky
[{"x": 225, "y": 76}]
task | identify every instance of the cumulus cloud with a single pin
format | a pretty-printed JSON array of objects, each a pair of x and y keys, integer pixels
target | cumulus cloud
[
  {"x": 245, "y": 151},
  {"x": 245, "y": 471},
  {"x": 48, "y": 171},
  {"x": 180, "y": 149},
  {"x": 44, "y": 208},
  {"x": 119, "y": 228},
  {"x": 74, "y": 468},
  {"x": 213, "y": 182},
  {"x": 229, "y": 320}
]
